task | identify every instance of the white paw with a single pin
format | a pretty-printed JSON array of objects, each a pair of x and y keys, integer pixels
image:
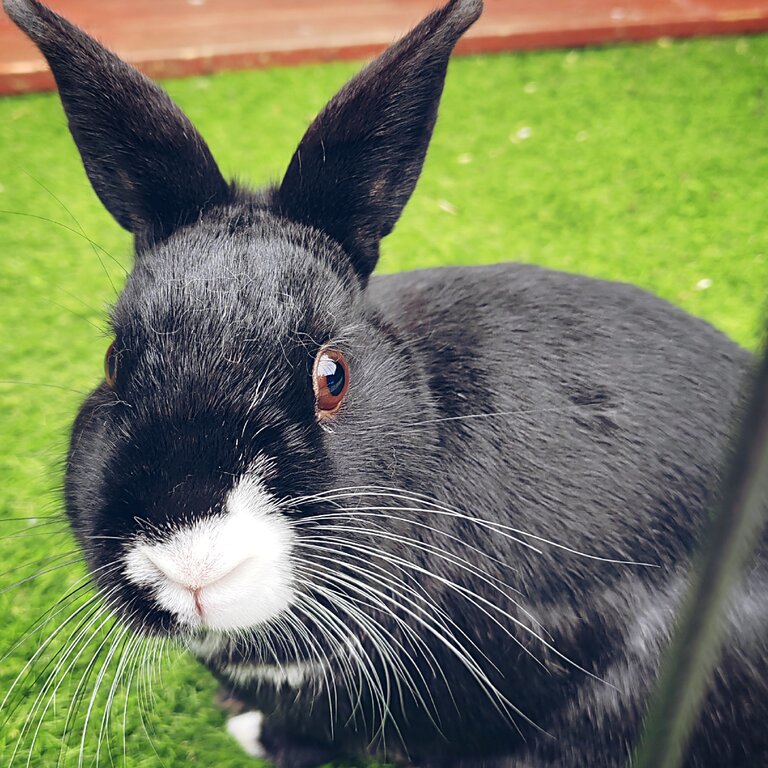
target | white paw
[{"x": 246, "y": 730}]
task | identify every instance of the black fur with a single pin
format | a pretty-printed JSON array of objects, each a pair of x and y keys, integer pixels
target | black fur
[
  {"x": 358, "y": 163},
  {"x": 586, "y": 413},
  {"x": 149, "y": 166}
]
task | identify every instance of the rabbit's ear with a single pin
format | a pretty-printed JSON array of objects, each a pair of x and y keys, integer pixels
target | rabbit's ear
[
  {"x": 359, "y": 161},
  {"x": 146, "y": 161}
]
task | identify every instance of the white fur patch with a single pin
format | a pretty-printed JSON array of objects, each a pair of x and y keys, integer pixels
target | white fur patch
[
  {"x": 227, "y": 571},
  {"x": 293, "y": 674},
  {"x": 246, "y": 730}
]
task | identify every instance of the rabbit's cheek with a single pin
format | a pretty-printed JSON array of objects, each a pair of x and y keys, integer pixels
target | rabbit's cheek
[{"x": 225, "y": 571}]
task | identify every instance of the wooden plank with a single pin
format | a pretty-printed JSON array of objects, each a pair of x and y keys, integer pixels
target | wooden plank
[{"x": 185, "y": 37}]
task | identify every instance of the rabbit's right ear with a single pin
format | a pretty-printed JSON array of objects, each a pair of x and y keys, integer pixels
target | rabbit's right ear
[
  {"x": 359, "y": 161},
  {"x": 147, "y": 163}
]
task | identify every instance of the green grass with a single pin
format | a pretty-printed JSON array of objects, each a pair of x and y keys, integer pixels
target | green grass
[{"x": 641, "y": 163}]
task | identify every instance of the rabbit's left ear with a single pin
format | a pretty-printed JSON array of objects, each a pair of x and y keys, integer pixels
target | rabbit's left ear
[
  {"x": 147, "y": 163},
  {"x": 359, "y": 161}
]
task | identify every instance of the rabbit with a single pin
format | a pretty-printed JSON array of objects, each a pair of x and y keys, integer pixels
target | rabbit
[{"x": 441, "y": 518}]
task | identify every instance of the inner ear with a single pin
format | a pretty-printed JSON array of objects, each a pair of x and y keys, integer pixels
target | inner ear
[
  {"x": 149, "y": 166},
  {"x": 359, "y": 161}
]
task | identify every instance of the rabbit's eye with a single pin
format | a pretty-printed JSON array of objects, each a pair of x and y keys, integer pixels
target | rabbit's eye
[
  {"x": 330, "y": 381},
  {"x": 110, "y": 366}
]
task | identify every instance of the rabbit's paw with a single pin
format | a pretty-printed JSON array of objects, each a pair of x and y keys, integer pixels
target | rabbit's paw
[{"x": 245, "y": 728}]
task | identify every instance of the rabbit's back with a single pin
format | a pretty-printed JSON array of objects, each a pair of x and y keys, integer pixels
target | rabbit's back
[{"x": 596, "y": 401}]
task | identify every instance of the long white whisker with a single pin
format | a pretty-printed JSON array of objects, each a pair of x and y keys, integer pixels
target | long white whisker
[
  {"x": 114, "y": 645},
  {"x": 37, "y": 575},
  {"x": 510, "y": 532},
  {"x": 336, "y": 628},
  {"x": 41, "y": 649},
  {"x": 99, "y": 617},
  {"x": 498, "y": 700},
  {"x": 463, "y": 563},
  {"x": 393, "y": 642}
]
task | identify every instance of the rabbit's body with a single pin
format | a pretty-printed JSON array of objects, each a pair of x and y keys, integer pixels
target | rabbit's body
[
  {"x": 630, "y": 476},
  {"x": 447, "y": 514}
]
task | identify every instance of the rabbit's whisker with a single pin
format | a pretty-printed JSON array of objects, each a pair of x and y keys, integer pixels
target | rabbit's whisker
[
  {"x": 33, "y": 533},
  {"x": 113, "y": 649},
  {"x": 44, "y": 384},
  {"x": 496, "y": 414},
  {"x": 337, "y": 634},
  {"x": 338, "y": 631},
  {"x": 90, "y": 607},
  {"x": 418, "y": 643},
  {"x": 135, "y": 657},
  {"x": 102, "y": 331},
  {"x": 105, "y": 330},
  {"x": 144, "y": 693},
  {"x": 83, "y": 233},
  {"x": 346, "y": 666},
  {"x": 485, "y": 606},
  {"x": 379, "y": 599},
  {"x": 346, "y": 670},
  {"x": 509, "y": 532},
  {"x": 40, "y": 573},
  {"x": 324, "y": 660},
  {"x": 385, "y": 514},
  {"x": 291, "y": 627},
  {"x": 398, "y": 667},
  {"x": 44, "y": 559},
  {"x": 75, "y": 646},
  {"x": 423, "y": 602},
  {"x": 75, "y": 698},
  {"x": 62, "y": 604},
  {"x": 493, "y": 582},
  {"x": 81, "y": 688},
  {"x": 392, "y": 668},
  {"x": 352, "y": 514},
  {"x": 422, "y": 594},
  {"x": 51, "y": 699},
  {"x": 132, "y": 641},
  {"x": 68, "y": 229}
]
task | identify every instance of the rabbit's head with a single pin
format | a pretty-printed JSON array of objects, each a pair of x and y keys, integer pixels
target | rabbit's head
[{"x": 249, "y": 374}]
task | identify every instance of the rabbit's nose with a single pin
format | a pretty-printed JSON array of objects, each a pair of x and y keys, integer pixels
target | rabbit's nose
[
  {"x": 228, "y": 570},
  {"x": 192, "y": 570},
  {"x": 197, "y": 573}
]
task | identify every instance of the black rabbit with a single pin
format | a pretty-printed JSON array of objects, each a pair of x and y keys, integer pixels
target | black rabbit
[{"x": 442, "y": 518}]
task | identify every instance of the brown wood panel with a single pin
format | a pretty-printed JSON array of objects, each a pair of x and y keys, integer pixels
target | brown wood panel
[{"x": 183, "y": 37}]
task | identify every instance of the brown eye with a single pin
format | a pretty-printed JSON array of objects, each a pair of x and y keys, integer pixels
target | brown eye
[
  {"x": 110, "y": 366},
  {"x": 330, "y": 380}
]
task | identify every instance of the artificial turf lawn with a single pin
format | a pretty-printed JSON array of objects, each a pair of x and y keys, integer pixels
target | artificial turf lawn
[{"x": 639, "y": 163}]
